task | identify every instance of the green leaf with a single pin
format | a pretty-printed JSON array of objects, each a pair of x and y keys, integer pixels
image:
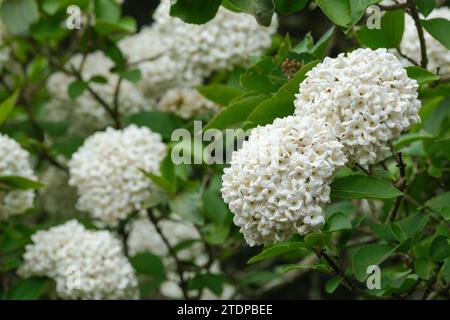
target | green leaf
[
  {"x": 412, "y": 225},
  {"x": 438, "y": 28},
  {"x": 439, "y": 249},
  {"x": 107, "y": 10},
  {"x": 333, "y": 284},
  {"x": 345, "y": 13},
  {"x": 195, "y": 11},
  {"x": 236, "y": 112},
  {"x": 440, "y": 204},
  {"x": 320, "y": 48},
  {"x": 7, "y": 106},
  {"x": 373, "y": 254},
  {"x": 188, "y": 205},
  {"x": 27, "y": 289},
  {"x": 37, "y": 69},
  {"x": 131, "y": 75},
  {"x": 277, "y": 249},
  {"x": 421, "y": 75},
  {"x": 124, "y": 25},
  {"x": 289, "y": 6},
  {"x": 363, "y": 187},
  {"x": 149, "y": 264},
  {"x": 383, "y": 232},
  {"x": 19, "y": 15},
  {"x": 216, "y": 234},
  {"x": 426, "y": 6},
  {"x": 282, "y": 103},
  {"x": 20, "y": 183},
  {"x": 423, "y": 267},
  {"x": 220, "y": 93},
  {"x": 258, "y": 77},
  {"x": 213, "y": 282},
  {"x": 76, "y": 89},
  {"x": 161, "y": 122},
  {"x": 389, "y": 36},
  {"x": 262, "y": 10},
  {"x": 336, "y": 222}
]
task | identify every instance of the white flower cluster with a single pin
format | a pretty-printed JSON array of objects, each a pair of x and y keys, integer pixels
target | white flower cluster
[
  {"x": 86, "y": 112},
  {"x": 223, "y": 42},
  {"x": 106, "y": 171},
  {"x": 85, "y": 264},
  {"x": 14, "y": 161},
  {"x": 279, "y": 180},
  {"x": 366, "y": 98},
  {"x": 151, "y": 52},
  {"x": 186, "y": 103},
  {"x": 438, "y": 55}
]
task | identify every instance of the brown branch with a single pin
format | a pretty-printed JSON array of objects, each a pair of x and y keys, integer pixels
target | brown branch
[
  {"x": 432, "y": 281},
  {"x": 414, "y": 13},
  {"x": 173, "y": 254},
  {"x": 401, "y": 185}
]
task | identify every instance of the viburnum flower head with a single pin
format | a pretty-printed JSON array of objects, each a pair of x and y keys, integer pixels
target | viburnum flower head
[
  {"x": 366, "y": 98},
  {"x": 225, "y": 41},
  {"x": 106, "y": 171},
  {"x": 84, "y": 264},
  {"x": 14, "y": 161},
  {"x": 278, "y": 182}
]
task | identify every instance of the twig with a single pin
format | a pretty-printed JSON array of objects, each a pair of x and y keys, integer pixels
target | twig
[
  {"x": 401, "y": 184},
  {"x": 183, "y": 283},
  {"x": 423, "y": 46},
  {"x": 432, "y": 281},
  {"x": 414, "y": 62}
]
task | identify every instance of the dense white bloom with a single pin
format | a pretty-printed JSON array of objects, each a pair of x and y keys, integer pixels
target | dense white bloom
[
  {"x": 57, "y": 198},
  {"x": 106, "y": 171},
  {"x": 86, "y": 113},
  {"x": 367, "y": 99},
  {"x": 85, "y": 264},
  {"x": 225, "y": 41},
  {"x": 279, "y": 180},
  {"x": 186, "y": 103},
  {"x": 14, "y": 161},
  {"x": 161, "y": 68}
]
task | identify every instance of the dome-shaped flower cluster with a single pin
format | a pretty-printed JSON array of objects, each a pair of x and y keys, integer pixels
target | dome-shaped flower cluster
[
  {"x": 186, "y": 103},
  {"x": 106, "y": 171},
  {"x": 225, "y": 41},
  {"x": 365, "y": 97},
  {"x": 152, "y": 52},
  {"x": 85, "y": 264},
  {"x": 14, "y": 161},
  {"x": 86, "y": 112},
  {"x": 279, "y": 180}
]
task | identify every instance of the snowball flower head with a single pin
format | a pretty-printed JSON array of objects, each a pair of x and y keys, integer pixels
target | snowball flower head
[
  {"x": 186, "y": 103},
  {"x": 86, "y": 112},
  {"x": 278, "y": 182},
  {"x": 106, "y": 171},
  {"x": 84, "y": 264},
  {"x": 161, "y": 69},
  {"x": 367, "y": 99},
  {"x": 14, "y": 161},
  {"x": 225, "y": 41}
]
